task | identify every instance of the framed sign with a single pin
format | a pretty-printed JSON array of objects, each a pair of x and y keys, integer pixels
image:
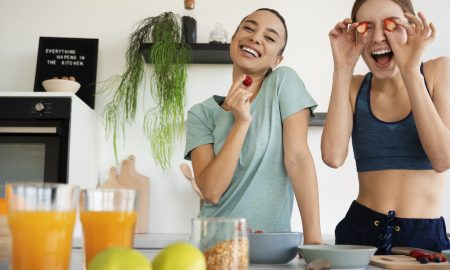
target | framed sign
[{"x": 65, "y": 57}]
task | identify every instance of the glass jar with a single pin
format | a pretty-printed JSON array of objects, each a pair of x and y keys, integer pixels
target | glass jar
[
  {"x": 224, "y": 241},
  {"x": 218, "y": 35}
]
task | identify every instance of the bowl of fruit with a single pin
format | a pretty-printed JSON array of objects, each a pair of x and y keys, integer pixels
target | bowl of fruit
[
  {"x": 273, "y": 247},
  {"x": 64, "y": 84}
]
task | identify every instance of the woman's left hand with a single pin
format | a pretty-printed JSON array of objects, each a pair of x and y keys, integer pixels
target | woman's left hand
[{"x": 420, "y": 33}]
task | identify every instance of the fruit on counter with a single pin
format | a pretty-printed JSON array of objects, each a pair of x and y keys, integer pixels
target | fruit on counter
[
  {"x": 179, "y": 256},
  {"x": 247, "y": 81},
  {"x": 119, "y": 258},
  {"x": 425, "y": 257}
]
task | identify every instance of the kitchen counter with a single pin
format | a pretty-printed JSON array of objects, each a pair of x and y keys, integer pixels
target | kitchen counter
[
  {"x": 77, "y": 260},
  {"x": 151, "y": 244}
]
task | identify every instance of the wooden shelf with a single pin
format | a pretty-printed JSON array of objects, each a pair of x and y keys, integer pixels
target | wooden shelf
[{"x": 202, "y": 53}]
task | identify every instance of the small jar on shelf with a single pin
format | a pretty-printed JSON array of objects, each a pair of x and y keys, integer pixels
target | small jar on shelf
[{"x": 218, "y": 35}]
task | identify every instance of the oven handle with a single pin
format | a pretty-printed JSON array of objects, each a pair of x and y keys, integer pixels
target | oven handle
[{"x": 28, "y": 130}]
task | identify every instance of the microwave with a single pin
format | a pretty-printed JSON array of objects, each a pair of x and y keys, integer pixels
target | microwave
[{"x": 48, "y": 137}]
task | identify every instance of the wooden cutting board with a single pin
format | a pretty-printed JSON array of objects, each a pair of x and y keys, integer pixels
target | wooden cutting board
[
  {"x": 404, "y": 262},
  {"x": 5, "y": 238},
  {"x": 130, "y": 178},
  {"x": 112, "y": 180}
]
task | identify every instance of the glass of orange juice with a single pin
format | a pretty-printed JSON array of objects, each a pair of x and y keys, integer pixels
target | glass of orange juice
[
  {"x": 41, "y": 219},
  {"x": 5, "y": 237},
  {"x": 108, "y": 218}
]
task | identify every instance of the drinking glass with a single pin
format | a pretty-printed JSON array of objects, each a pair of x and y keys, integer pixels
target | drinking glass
[
  {"x": 41, "y": 219},
  {"x": 5, "y": 237},
  {"x": 224, "y": 241},
  {"x": 108, "y": 218}
]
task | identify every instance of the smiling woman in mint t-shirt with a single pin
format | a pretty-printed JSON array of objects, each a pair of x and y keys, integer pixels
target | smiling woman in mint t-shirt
[
  {"x": 249, "y": 149},
  {"x": 398, "y": 116}
]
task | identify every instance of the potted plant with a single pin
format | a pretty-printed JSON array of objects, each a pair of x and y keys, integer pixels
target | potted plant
[{"x": 170, "y": 57}]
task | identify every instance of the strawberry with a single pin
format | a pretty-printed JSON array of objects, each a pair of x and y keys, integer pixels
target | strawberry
[
  {"x": 390, "y": 24},
  {"x": 416, "y": 253},
  {"x": 248, "y": 81},
  {"x": 362, "y": 27}
]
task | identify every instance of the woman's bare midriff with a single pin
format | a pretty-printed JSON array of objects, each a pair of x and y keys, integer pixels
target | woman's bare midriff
[{"x": 412, "y": 194}]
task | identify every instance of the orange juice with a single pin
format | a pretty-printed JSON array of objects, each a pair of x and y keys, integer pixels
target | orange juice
[
  {"x": 3, "y": 206},
  {"x": 41, "y": 240},
  {"x": 103, "y": 229}
]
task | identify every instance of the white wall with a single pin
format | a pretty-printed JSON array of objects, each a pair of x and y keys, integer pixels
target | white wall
[{"x": 172, "y": 202}]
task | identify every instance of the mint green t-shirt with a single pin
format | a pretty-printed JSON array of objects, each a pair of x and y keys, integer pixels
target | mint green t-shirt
[{"x": 260, "y": 190}]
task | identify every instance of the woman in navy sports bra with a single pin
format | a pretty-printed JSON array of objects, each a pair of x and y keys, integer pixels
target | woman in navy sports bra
[{"x": 398, "y": 116}]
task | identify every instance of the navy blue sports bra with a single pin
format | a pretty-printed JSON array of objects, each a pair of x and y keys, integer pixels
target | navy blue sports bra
[{"x": 379, "y": 145}]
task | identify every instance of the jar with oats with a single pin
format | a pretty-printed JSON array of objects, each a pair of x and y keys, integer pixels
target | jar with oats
[{"x": 224, "y": 241}]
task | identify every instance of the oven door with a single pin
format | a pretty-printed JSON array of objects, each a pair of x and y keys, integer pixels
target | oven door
[{"x": 37, "y": 154}]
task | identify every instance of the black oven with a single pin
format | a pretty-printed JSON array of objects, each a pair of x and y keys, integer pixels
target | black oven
[{"x": 34, "y": 139}]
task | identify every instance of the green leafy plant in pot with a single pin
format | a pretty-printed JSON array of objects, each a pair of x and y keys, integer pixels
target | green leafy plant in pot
[{"x": 167, "y": 75}]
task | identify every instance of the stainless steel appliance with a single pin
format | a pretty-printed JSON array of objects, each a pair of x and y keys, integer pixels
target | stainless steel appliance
[{"x": 48, "y": 137}]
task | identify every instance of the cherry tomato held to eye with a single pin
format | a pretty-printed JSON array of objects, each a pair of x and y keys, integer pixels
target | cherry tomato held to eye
[
  {"x": 390, "y": 25},
  {"x": 248, "y": 81},
  {"x": 362, "y": 27}
]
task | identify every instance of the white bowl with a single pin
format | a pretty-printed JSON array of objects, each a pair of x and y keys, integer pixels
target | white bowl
[
  {"x": 61, "y": 85},
  {"x": 339, "y": 256}
]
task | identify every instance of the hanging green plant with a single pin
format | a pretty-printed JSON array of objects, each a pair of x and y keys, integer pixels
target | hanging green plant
[{"x": 170, "y": 57}]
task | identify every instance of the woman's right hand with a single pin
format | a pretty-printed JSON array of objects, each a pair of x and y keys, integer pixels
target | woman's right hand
[
  {"x": 346, "y": 44},
  {"x": 238, "y": 101}
]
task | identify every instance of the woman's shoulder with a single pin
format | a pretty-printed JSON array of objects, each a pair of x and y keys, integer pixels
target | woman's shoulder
[
  {"x": 437, "y": 65},
  {"x": 434, "y": 70},
  {"x": 207, "y": 107},
  {"x": 283, "y": 71},
  {"x": 283, "y": 75}
]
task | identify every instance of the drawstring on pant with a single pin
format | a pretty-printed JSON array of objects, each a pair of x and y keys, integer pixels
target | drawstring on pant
[{"x": 384, "y": 248}]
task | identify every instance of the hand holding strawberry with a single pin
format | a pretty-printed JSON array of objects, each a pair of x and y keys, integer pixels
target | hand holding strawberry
[
  {"x": 238, "y": 99},
  {"x": 348, "y": 39},
  {"x": 420, "y": 33}
]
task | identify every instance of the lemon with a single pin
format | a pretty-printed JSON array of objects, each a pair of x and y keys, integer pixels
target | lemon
[
  {"x": 120, "y": 258},
  {"x": 179, "y": 256}
]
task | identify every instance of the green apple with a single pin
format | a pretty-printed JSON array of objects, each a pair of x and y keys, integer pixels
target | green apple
[
  {"x": 179, "y": 256},
  {"x": 119, "y": 258}
]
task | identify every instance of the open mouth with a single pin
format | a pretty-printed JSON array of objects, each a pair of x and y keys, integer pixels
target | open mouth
[
  {"x": 250, "y": 51},
  {"x": 382, "y": 57}
]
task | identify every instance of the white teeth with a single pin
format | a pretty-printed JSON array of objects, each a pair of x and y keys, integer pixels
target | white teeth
[
  {"x": 381, "y": 52},
  {"x": 251, "y": 51}
]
